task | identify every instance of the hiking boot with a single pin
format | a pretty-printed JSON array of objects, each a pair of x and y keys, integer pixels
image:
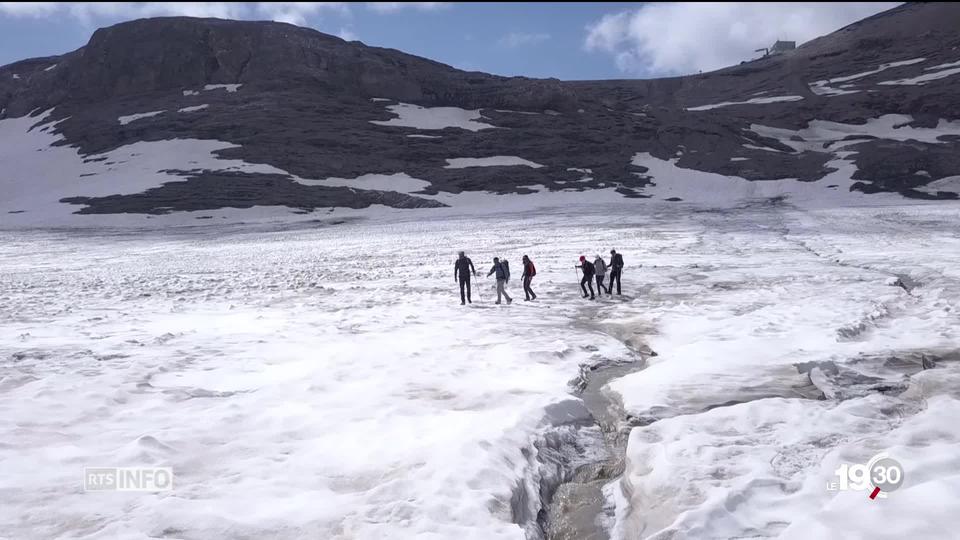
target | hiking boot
[
  {"x": 462, "y": 303},
  {"x": 497, "y": 302},
  {"x": 509, "y": 301}
]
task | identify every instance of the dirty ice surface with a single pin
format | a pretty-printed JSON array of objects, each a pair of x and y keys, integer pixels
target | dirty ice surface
[{"x": 326, "y": 383}]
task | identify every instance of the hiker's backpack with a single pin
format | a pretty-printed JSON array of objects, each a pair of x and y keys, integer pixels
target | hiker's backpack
[
  {"x": 533, "y": 269},
  {"x": 506, "y": 269}
]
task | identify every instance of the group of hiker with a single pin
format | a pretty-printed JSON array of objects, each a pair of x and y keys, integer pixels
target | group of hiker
[{"x": 597, "y": 270}]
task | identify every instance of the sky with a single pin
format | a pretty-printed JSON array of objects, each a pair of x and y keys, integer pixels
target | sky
[{"x": 567, "y": 41}]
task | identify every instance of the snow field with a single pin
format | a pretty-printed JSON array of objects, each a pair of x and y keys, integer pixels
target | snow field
[
  {"x": 756, "y": 320},
  {"x": 325, "y": 383}
]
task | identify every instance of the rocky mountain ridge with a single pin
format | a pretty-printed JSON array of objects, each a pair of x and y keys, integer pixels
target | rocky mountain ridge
[{"x": 874, "y": 104}]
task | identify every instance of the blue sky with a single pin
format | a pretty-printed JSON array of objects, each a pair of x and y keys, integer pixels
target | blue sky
[{"x": 562, "y": 40}]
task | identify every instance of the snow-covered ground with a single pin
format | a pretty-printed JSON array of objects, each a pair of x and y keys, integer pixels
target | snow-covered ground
[
  {"x": 326, "y": 383},
  {"x": 741, "y": 311}
]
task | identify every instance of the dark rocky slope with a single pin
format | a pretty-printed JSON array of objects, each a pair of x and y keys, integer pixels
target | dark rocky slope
[{"x": 305, "y": 107}]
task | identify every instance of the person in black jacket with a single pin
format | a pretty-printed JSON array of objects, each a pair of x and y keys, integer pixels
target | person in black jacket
[
  {"x": 461, "y": 272},
  {"x": 616, "y": 268},
  {"x": 588, "y": 273}
]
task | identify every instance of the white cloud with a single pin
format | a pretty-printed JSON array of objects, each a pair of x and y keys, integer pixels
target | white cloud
[
  {"x": 346, "y": 34},
  {"x": 669, "y": 38},
  {"x": 517, "y": 39},
  {"x": 393, "y": 7},
  {"x": 87, "y": 11},
  {"x": 290, "y": 12},
  {"x": 297, "y": 12},
  {"x": 28, "y": 9}
]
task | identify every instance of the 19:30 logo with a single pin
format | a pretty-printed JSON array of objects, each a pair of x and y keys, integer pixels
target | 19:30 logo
[{"x": 882, "y": 474}]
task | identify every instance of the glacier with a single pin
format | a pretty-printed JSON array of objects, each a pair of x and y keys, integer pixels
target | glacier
[{"x": 322, "y": 379}]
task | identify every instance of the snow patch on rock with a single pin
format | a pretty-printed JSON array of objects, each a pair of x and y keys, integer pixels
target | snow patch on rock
[
  {"x": 399, "y": 182},
  {"x": 38, "y": 173},
  {"x": 228, "y": 87},
  {"x": 754, "y": 101},
  {"x": 949, "y": 183},
  {"x": 824, "y": 88},
  {"x": 492, "y": 161},
  {"x": 943, "y": 71},
  {"x": 195, "y": 108},
  {"x": 717, "y": 190},
  {"x": 124, "y": 120},
  {"x": 430, "y": 118},
  {"x": 819, "y": 133}
]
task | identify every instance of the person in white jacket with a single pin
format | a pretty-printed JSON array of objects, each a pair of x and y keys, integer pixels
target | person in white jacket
[{"x": 601, "y": 272}]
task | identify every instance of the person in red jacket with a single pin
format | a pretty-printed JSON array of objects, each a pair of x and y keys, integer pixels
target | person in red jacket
[{"x": 529, "y": 270}]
